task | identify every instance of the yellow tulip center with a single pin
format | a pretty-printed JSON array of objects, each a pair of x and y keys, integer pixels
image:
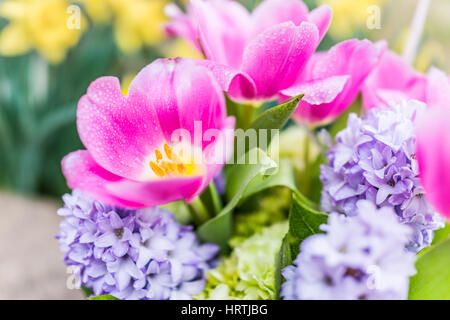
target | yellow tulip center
[{"x": 168, "y": 163}]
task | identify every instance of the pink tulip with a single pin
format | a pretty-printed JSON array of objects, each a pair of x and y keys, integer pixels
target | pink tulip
[
  {"x": 394, "y": 80},
  {"x": 266, "y": 49},
  {"x": 132, "y": 159},
  {"x": 433, "y": 156},
  {"x": 332, "y": 80}
]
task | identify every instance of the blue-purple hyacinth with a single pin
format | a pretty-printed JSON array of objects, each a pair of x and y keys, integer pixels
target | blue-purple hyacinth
[
  {"x": 361, "y": 257},
  {"x": 374, "y": 159},
  {"x": 132, "y": 254}
]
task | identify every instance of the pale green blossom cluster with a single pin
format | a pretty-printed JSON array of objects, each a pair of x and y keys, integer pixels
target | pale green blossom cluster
[{"x": 249, "y": 272}]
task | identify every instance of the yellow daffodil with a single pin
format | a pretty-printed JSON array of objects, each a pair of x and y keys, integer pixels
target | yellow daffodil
[
  {"x": 49, "y": 26},
  {"x": 349, "y": 15},
  {"x": 136, "y": 22}
]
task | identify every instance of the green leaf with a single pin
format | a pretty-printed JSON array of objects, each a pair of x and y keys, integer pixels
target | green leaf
[
  {"x": 276, "y": 117},
  {"x": 199, "y": 212},
  {"x": 432, "y": 281},
  {"x": 211, "y": 199},
  {"x": 304, "y": 221},
  {"x": 243, "y": 113},
  {"x": 218, "y": 229},
  {"x": 442, "y": 234},
  {"x": 283, "y": 177},
  {"x": 87, "y": 291},
  {"x": 284, "y": 259},
  {"x": 104, "y": 297}
]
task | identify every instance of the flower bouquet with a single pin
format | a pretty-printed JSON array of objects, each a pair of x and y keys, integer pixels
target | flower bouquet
[{"x": 257, "y": 172}]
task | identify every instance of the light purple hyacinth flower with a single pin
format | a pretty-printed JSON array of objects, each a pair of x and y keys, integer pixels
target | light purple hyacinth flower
[
  {"x": 132, "y": 254},
  {"x": 375, "y": 159},
  {"x": 361, "y": 257}
]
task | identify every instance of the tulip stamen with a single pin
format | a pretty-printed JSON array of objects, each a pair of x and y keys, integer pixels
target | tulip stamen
[
  {"x": 157, "y": 169},
  {"x": 158, "y": 155},
  {"x": 167, "y": 163}
]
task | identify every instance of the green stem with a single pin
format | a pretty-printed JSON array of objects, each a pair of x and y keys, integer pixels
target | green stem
[
  {"x": 306, "y": 174},
  {"x": 416, "y": 30},
  {"x": 247, "y": 115},
  {"x": 313, "y": 137},
  {"x": 198, "y": 211}
]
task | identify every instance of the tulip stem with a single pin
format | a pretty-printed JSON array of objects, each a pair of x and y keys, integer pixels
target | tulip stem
[
  {"x": 416, "y": 31},
  {"x": 248, "y": 113},
  {"x": 311, "y": 135},
  {"x": 198, "y": 211}
]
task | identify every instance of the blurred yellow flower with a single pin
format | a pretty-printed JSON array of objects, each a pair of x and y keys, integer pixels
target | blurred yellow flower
[
  {"x": 126, "y": 81},
  {"x": 349, "y": 15},
  {"x": 180, "y": 48},
  {"x": 49, "y": 26},
  {"x": 432, "y": 53},
  {"x": 98, "y": 10},
  {"x": 136, "y": 22}
]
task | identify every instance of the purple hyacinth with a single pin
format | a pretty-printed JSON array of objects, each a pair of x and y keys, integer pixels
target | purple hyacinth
[
  {"x": 374, "y": 159},
  {"x": 361, "y": 257},
  {"x": 132, "y": 254}
]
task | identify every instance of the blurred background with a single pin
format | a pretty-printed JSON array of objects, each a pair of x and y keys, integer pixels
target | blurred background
[{"x": 50, "y": 50}]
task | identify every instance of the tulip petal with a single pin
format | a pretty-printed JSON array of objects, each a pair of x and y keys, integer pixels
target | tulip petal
[
  {"x": 433, "y": 156},
  {"x": 82, "y": 172},
  {"x": 218, "y": 153},
  {"x": 181, "y": 92},
  {"x": 342, "y": 71},
  {"x": 355, "y": 57},
  {"x": 318, "y": 91},
  {"x": 110, "y": 126},
  {"x": 238, "y": 85},
  {"x": 388, "y": 97},
  {"x": 218, "y": 21},
  {"x": 393, "y": 74},
  {"x": 181, "y": 24},
  {"x": 352, "y": 57},
  {"x": 321, "y": 17},
  {"x": 199, "y": 99},
  {"x": 272, "y": 12},
  {"x": 275, "y": 57},
  {"x": 438, "y": 88}
]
